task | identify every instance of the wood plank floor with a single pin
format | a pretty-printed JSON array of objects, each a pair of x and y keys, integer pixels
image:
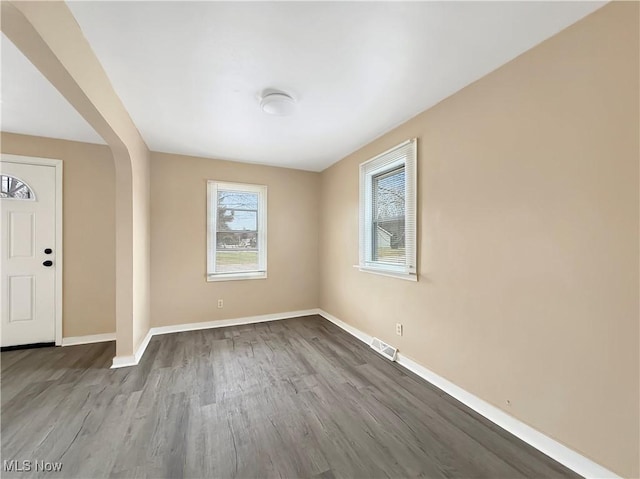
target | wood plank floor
[{"x": 292, "y": 398}]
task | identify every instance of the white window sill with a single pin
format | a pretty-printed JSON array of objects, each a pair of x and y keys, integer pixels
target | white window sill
[
  {"x": 390, "y": 274},
  {"x": 237, "y": 276}
]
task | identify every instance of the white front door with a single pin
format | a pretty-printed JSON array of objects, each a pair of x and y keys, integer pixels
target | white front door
[{"x": 28, "y": 245}]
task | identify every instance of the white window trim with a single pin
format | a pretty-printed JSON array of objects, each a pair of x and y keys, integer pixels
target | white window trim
[
  {"x": 373, "y": 167},
  {"x": 212, "y": 216},
  {"x": 389, "y": 274}
]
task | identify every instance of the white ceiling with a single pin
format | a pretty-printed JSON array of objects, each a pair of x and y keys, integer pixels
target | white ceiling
[
  {"x": 32, "y": 106},
  {"x": 189, "y": 73}
]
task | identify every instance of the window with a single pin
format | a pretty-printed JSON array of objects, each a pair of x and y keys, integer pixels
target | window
[
  {"x": 237, "y": 231},
  {"x": 388, "y": 212},
  {"x": 14, "y": 188}
]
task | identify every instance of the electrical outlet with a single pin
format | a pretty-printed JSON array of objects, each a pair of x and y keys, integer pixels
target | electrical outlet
[
  {"x": 220, "y": 303},
  {"x": 399, "y": 329}
]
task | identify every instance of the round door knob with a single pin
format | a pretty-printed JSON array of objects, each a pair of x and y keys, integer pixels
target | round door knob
[
  {"x": 48, "y": 263},
  {"x": 48, "y": 251}
]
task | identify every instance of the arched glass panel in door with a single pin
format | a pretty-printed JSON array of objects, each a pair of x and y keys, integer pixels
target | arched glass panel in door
[{"x": 12, "y": 187}]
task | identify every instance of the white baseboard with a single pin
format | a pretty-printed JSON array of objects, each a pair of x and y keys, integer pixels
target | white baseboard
[
  {"x": 93, "y": 338},
  {"x": 126, "y": 361},
  {"x": 552, "y": 448},
  {"x": 123, "y": 362}
]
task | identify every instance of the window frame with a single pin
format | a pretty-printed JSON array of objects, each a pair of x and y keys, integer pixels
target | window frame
[
  {"x": 402, "y": 155},
  {"x": 213, "y": 187}
]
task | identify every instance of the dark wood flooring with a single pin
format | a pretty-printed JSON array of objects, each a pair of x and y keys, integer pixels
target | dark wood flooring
[{"x": 292, "y": 398}]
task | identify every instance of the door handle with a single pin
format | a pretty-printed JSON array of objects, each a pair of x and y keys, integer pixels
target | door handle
[{"x": 47, "y": 263}]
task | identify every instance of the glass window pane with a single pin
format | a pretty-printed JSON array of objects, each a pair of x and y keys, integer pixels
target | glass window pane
[
  {"x": 237, "y": 211},
  {"x": 238, "y": 200},
  {"x": 237, "y": 220},
  {"x": 238, "y": 243},
  {"x": 234, "y": 260},
  {"x": 11, "y": 187},
  {"x": 389, "y": 217},
  {"x": 245, "y": 240}
]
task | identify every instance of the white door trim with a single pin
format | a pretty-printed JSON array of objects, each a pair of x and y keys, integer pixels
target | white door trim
[{"x": 57, "y": 164}]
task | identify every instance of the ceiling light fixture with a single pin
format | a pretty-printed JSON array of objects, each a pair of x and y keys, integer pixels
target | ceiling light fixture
[{"x": 277, "y": 103}]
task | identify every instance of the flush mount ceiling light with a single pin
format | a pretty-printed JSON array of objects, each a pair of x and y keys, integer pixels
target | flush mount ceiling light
[{"x": 277, "y": 103}]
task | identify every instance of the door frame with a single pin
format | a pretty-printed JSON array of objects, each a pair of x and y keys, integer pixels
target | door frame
[{"x": 57, "y": 164}]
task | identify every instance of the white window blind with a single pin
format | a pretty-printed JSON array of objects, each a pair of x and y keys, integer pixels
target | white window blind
[
  {"x": 237, "y": 239},
  {"x": 388, "y": 211}
]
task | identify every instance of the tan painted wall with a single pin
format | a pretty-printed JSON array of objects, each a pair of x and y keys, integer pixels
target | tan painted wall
[
  {"x": 89, "y": 239},
  {"x": 528, "y": 240},
  {"x": 180, "y": 292},
  {"x": 88, "y": 227}
]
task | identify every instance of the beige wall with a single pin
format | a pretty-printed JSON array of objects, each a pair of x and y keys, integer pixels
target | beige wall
[
  {"x": 180, "y": 292},
  {"x": 528, "y": 240},
  {"x": 88, "y": 229}
]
